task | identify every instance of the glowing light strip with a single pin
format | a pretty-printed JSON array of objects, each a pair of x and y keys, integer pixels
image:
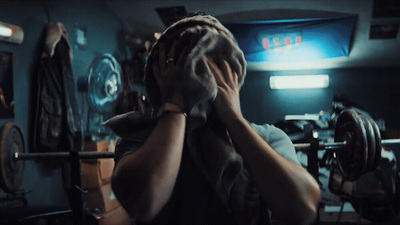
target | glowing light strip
[
  {"x": 5, "y": 31},
  {"x": 299, "y": 81},
  {"x": 11, "y": 33}
]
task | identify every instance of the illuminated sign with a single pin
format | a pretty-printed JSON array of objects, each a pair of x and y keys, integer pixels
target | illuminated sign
[{"x": 295, "y": 40}]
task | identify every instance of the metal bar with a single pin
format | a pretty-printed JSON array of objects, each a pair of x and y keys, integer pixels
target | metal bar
[
  {"x": 96, "y": 155},
  {"x": 312, "y": 154},
  {"x": 99, "y": 155},
  {"x": 43, "y": 155},
  {"x": 76, "y": 194},
  {"x": 390, "y": 142},
  {"x": 321, "y": 146},
  {"x": 334, "y": 145},
  {"x": 341, "y": 145},
  {"x": 62, "y": 155},
  {"x": 302, "y": 147},
  {"x": 45, "y": 215}
]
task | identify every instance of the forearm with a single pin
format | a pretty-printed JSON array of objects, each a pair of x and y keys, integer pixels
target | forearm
[
  {"x": 290, "y": 192},
  {"x": 145, "y": 179},
  {"x": 285, "y": 186}
]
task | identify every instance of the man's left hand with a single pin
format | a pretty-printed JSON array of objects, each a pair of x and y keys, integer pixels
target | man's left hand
[{"x": 227, "y": 103}]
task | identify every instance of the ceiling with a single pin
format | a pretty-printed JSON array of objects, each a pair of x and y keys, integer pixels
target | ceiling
[{"x": 141, "y": 17}]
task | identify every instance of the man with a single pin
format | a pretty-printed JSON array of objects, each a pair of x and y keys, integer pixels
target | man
[{"x": 197, "y": 160}]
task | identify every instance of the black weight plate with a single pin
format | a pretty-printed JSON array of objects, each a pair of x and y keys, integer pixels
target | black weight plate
[
  {"x": 378, "y": 145},
  {"x": 352, "y": 159},
  {"x": 371, "y": 143},
  {"x": 11, "y": 170}
]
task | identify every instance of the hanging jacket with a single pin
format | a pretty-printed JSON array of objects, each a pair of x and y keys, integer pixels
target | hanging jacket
[{"x": 58, "y": 123}]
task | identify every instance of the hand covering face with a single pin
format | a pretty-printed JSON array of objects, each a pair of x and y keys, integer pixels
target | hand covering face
[{"x": 196, "y": 37}]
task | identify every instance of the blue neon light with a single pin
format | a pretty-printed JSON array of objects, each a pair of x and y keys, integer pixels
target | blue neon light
[{"x": 298, "y": 40}]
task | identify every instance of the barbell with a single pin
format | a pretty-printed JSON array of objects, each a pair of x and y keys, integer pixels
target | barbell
[{"x": 357, "y": 144}]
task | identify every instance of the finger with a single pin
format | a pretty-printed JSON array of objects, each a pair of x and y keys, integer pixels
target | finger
[
  {"x": 226, "y": 69},
  {"x": 171, "y": 53},
  {"x": 161, "y": 55},
  {"x": 186, "y": 49},
  {"x": 236, "y": 66},
  {"x": 233, "y": 75},
  {"x": 193, "y": 40},
  {"x": 183, "y": 55},
  {"x": 230, "y": 73},
  {"x": 235, "y": 78},
  {"x": 216, "y": 71}
]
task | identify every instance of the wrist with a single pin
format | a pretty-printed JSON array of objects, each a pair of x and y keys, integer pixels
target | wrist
[
  {"x": 234, "y": 121},
  {"x": 170, "y": 107}
]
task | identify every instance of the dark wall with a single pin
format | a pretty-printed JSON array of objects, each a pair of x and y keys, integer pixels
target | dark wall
[
  {"x": 376, "y": 90},
  {"x": 104, "y": 29}
]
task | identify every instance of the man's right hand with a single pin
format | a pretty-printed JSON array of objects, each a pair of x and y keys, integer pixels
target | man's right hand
[{"x": 169, "y": 74}]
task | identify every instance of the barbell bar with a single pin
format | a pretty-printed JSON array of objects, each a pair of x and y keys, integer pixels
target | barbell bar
[
  {"x": 350, "y": 145},
  {"x": 333, "y": 146},
  {"x": 62, "y": 155}
]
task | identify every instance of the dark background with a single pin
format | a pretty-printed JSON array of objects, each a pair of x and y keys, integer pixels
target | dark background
[{"x": 375, "y": 88}]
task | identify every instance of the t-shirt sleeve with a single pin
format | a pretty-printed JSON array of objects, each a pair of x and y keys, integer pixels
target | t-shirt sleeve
[
  {"x": 125, "y": 147},
  {"x": 133, "y": 129},
  {"x": 278, "y": 140}
]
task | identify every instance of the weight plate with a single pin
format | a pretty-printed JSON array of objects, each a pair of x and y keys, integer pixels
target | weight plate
[
  {"x": 378, "y": 145},
  {"x": 104, "y": 83},
  {"x": 370, "y": 133},
  {"x": 352, "y": 159},
  {"x": 11, "y": 170}
]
